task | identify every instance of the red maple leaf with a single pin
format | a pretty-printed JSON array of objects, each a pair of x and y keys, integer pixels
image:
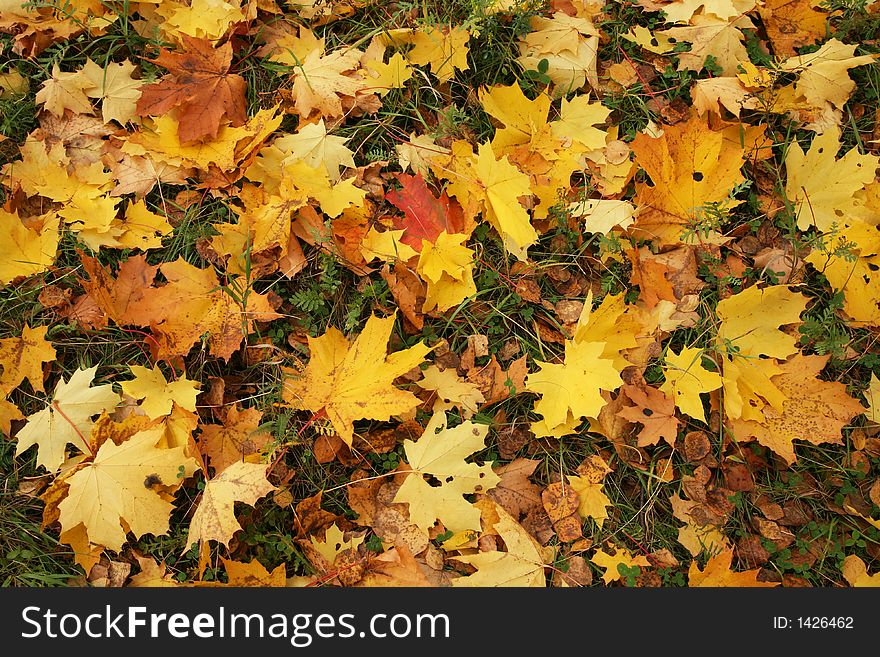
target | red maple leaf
[{"x": 424, "y": 215}]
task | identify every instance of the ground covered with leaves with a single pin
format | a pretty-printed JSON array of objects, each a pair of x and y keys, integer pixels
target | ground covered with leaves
[{"x": 470, "y": 293}]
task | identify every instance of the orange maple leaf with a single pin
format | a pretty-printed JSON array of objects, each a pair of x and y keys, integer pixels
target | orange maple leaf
[{"x": 200, "y": 86}]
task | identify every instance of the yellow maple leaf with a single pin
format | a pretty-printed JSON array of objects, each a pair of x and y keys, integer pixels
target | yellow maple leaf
[
  {"x": 612, "y": 562},
  {"x": 333, "y": 543},
  {"x": 569, "y": 44},
  {"x": 313, "y": 146},
  {"x": 382, "y": 77},
  {"x": 67, "y": 419},
  {"x": 748, "y": 386},
  {"x": 214, "y": 519},
  {"x": 385, "y": 246},
  {"x": 850, "y": 259},
  {"x": 142, "y": 228},
  {"x": 750, "y": 321},
  {"x": 824, "y": 74},
  {"x": 447, "y": 267},
  {"x": 452, "y": 391},
  {"x": 26, "y": 251},
  {"x": 823, "y": 188},
  {"x": 576, "y": 125},
  {"x": 253, "y": 573},
  {"x": 239, "y": 438},
  {"x": 521, "y": 565},
  {"x": 157, "y": 393},
  {"x": 718, "y": 573},
  {"x": 571, "y": 389},
  {"x": 502, "y": 184},
  {"x": 441, "y": 453},
  {"x": 116, "y": 89},
  {"x": 110, "y": 490},
  {"x": 443, "y": 50},
  {"x": 711, "y": 36},
  {"x": 298, "y": 178},
  {"x": 690, "y": 167},
  {"x": 814, "y": 410},
  {"x": 23, "y": 357},
  {"x": 204, "y": 19},
  {"x": 353, "y": 380},
  {"x": 588, "y": 485},
  {"x": 319, "y": 80},
  {"x": 694, "y": 536},
  {"x": 525, "y": 120},
  {"x": 686, "y": 379},
  {"x": 66, "y": 91}
]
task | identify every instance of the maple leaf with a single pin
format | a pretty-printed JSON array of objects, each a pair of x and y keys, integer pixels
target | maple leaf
[
  {"x": 748, "y": 386},
  {"x": 424, "y": 215},
  {"x": 253, "y": 573},
  {"x": 239, "y": 438},
  {"x": 387, "y": 245},
  {"x": 200, "y": 86},
  {"x": 353, "y": 380},
  {"x": 333, "y": 544},
  {"x": 792, "y": 24},
  {"x": 320, "y": 79},
  {"x": 442, "y": 49},
  {"x": 22, "y": 358},
  {"x": 441, "y": 453},
  {"x": 157, "y": 393},
  {"x": 612, "y": 562},
  {"x": 152, "y": 574},
  {"x": 191, "y": 304},
  {"x": 686, "y": 379},
  {"x": 602, "y": 215},
  {"x": 718, "y": 573},
  {"x": 502, "y": 184},
  {"x": 312, "y": 145},
  {"x": 381, "y": 76},
  {"x": 521, "y": 565},
  {"x": 514, "y": 491},
  {"x": 823, "y": 188},
  {"x": 690, "y": 166},
  {"x": 814, "y": 410},
  {"x": 67, "y": 419},
  {"x": 109, "y": 497},
  {"x": 28, "y": 249},
  {"x": 207, "y": 19},
  {"x": 571, "y": 389},
  {"x": 451, "y": 391},
  {"x": 850, "y": 259},
  {"x": 64, "y": 91},
  {"x": 588, "y": 486},
  {"x": 698, "y": 534},
  {"x": 447, "y": 266},
  {"x": 214, "y": 518},
  {"x": 824, "y": 73},
  {"x": 569, "y": 44},
  {"x": 118, "y": 90},
  {"x": 750, "y": 320},
  {"x": 654, "y": 410},
  {"x": 711, "y": 36}
]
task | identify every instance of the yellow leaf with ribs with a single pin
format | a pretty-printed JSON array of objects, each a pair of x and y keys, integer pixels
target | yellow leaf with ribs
[
  {"x": 214, "y": 518},
  {"x": 67, "y": 419},
  {"x": 114, "y": 493},
  {"x": 354, "y": 380},
  {"x": 441, "y": 453}
]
